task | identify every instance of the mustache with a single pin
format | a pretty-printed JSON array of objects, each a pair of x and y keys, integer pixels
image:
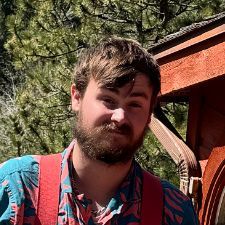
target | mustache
[{"x": 112, "y": 127}]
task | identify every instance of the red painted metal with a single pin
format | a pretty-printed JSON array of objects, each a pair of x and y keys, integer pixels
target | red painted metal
[{"x": 213, "y": 185}]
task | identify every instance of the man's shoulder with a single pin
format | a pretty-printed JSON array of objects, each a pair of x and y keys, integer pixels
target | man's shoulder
[
  {"x": 178, "y": 208},
  {"x": 19, "y": 188},
  {"x": 24, "y": 164},
  {"x": 171, "y": 190}
]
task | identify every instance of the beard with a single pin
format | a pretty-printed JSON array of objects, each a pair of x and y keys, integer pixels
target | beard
[{"x": 101, "y": 144}]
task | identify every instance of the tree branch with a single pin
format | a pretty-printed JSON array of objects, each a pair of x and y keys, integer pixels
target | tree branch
[{"x": 57, "y": 55}]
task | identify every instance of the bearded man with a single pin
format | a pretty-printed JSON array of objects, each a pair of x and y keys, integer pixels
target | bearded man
[{"x": 114, "y": 91}]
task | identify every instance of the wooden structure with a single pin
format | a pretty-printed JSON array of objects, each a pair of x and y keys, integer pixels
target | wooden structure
[{"x": 192, "y": 65}]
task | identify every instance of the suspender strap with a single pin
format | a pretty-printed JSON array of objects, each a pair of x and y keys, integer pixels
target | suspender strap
[
  {"x": 49, "y": 188},
  {"x": 49, "y": 185},
  {"x": 152, "y": 200}
]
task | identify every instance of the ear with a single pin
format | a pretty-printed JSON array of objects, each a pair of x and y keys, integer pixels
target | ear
[{"x": 75, "y": 98}]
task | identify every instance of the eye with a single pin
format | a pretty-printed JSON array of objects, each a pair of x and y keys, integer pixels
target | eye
[
  {"x": 135, "y": 105},
  {"x": 109, "y": 102}
]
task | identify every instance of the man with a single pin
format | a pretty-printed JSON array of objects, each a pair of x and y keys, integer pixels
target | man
[{"x": 114, "y": 91}]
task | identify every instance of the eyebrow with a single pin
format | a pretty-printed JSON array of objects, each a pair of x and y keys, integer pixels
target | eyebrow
[
  {"x": 139, "y": 94},
  {"x": 132, "y": 94}
]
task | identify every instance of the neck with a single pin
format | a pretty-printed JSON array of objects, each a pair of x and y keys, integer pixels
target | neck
[{"x": 98, "y": 180}]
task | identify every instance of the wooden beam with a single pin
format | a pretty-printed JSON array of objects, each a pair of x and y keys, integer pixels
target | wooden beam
[
  {"x": 193, "y": 41},
  {"x": 190, "y": 68}
]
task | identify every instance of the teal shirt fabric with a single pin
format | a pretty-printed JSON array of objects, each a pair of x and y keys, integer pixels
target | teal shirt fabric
[{"x": 19, "y": 193}]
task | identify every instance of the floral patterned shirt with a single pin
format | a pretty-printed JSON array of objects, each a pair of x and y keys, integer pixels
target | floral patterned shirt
[{"x": 19, "y": 183}]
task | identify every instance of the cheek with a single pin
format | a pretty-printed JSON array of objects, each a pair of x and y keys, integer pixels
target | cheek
[
  {"x": 140, "y": 122},
  {"x": 94, "y": 114}
]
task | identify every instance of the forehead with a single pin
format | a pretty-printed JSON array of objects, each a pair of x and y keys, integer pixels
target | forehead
[{"x": 138, "y": 86}]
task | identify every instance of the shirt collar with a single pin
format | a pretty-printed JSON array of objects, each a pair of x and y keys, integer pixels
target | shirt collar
[{"x": 129, "y": 190}]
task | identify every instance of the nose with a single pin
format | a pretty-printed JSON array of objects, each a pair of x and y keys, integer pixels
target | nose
[{"x": 118, "y": 116}]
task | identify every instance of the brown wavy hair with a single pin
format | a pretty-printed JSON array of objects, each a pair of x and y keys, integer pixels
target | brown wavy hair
[{"x": 114, "y": 62}]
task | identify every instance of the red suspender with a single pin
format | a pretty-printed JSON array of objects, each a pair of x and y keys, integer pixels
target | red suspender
[
  {"x": 49, "y": 189},
  {"x": 152, "y": 200}
]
